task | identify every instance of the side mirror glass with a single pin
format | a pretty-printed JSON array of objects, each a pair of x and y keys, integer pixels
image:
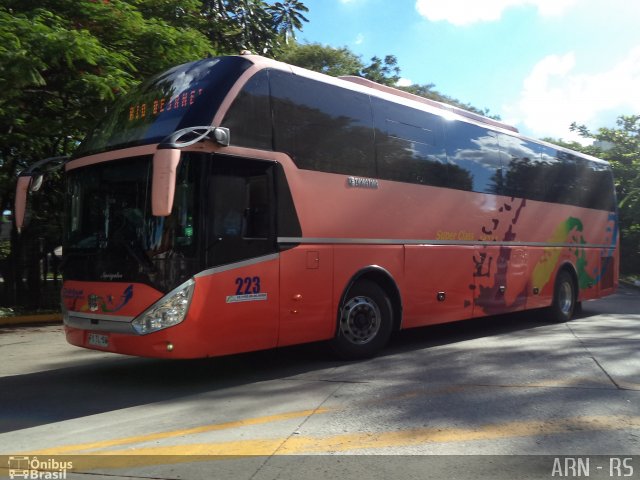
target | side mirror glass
[
  {"x": 163, "y": 187},
  {"x": 36, "y": 182}
]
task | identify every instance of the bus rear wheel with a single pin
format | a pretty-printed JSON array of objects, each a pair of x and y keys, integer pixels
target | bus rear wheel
[
  {"x": 564, "y": 298},
  {"x": 365, "y": 321}
]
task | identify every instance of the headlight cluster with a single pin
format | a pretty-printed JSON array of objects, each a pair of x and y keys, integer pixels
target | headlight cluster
[{"x": 170, "y": 310}]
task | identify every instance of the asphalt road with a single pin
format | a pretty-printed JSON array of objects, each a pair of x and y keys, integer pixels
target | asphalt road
[{"x": 503, "y": 397}]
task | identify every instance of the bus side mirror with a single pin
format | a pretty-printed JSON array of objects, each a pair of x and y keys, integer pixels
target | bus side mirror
[
  {"x": 21, "y": 200},
  {"x": 36, "y": 182},
  {"x": 163, "y": 187}
]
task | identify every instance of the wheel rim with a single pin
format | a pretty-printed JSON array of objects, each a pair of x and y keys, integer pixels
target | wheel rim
[
  {"x": 360, "y": 321},
  {"x": 565, "y": 298}
]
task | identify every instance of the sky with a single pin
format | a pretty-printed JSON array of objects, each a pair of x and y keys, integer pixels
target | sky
[{"x": 539, "y": 64}]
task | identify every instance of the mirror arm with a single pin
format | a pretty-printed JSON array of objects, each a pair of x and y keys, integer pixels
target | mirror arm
[
  {"x": 31, "y": 180},
  {"x": 21, "y": 200},
  {"x": 219, "y": 135},
  {"x": 163, "y": 187},
  {"x": 167, "y": 158}
]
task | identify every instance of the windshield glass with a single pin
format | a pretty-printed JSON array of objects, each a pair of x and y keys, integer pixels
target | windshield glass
[
  {"x": 111, "y": 235},
  {"x": 185, "y": 96}
]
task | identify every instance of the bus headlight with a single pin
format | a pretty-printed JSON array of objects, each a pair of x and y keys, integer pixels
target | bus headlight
[{"x": 170, "y": 310}]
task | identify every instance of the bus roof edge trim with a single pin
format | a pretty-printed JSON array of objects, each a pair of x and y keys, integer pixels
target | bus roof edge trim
[{"x": 416, "y": 98}]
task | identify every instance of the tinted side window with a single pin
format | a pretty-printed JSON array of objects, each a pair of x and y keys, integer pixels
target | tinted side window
[
  {"x": 562, "y": 177},
  {"x": 409, "y": 144},
  {"x": 598, "y": 187},
  {"x": 474, "y": 158},
  {"x": 240, "y": 210},
  {"x": 249, "y": 117},
  {"x": 524, "y": 171},
  {"x": 543, "y": 173},
  {"x": 323, "y": 127}
]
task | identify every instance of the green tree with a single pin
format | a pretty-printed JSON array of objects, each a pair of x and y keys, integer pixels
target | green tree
[
  {"x": 288, "y": 17},
  {"x": 320, "y": 58},
  {"x": 339, "y": 62},
  {"x": 62, "y": 63},
  {"x": 342, "y": 61},
  {"x": 384, "y": 71},
  {"x": 254, "y": 25},
  {"x": 621, "y": 147}
]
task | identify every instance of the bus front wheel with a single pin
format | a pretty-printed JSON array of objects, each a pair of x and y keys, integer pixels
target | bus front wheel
[
  {"x": 564, "y": 298},
  {"x": 365, "y": 321}
]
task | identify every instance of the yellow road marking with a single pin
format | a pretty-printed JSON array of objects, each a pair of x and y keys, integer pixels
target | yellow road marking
[
  {"x": 296, "y": 445},
  {"x": 339, "y": 443},
  {"x": 87, "y": 447},
  {"x": 383, "y": 439}
]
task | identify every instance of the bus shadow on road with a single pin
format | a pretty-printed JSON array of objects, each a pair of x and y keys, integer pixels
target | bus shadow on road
[{"x": 119, "y": 382}]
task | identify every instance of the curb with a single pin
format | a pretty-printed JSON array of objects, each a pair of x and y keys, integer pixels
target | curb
[
  {"x": 31, "y": 319},
  {"x": 629, "y": 284}
]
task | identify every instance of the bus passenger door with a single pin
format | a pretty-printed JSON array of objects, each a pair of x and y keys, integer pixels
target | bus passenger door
[
  {"x": 306, "y": 281},
  {"x": 241, "y": 255},
  {"x": 501, "y": 280}
]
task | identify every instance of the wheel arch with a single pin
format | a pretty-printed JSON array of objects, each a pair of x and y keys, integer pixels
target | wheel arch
[
  {"x": 385, "y": 280},
  {"x": 571, "y": 270}
]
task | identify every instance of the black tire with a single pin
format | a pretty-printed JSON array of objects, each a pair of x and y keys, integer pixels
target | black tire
[
  {"x": 565, "y": 297},
  {"x": 365, "y": 321}
]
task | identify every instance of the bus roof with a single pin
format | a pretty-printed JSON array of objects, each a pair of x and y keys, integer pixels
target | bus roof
[
  {"x": 263, "y": 62},
  {"x": 365, "y": 85}
]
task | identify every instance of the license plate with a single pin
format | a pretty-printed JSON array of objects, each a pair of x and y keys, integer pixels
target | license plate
[{"x": 98, "y": 340}]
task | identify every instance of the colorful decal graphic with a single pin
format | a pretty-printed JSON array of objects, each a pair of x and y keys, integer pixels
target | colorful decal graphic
[
  {"x": 549, "y": 261},
  {"x": 491, "y": 274},
  {"x": 608, "y": 254},
  {"x": 96, "y": 303},
  {"x": 490, "y": 297},
  {"x": 70, "y": 297}
]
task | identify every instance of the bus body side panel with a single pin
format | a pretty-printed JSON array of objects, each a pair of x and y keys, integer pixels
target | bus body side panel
[
  {"x": 543, "y": 266},
  {"x": 307, "y": 312},
  {"x": 232, "y": 311},
  {"x": 508, "y": 249},
  {"x": 236, "y": 310},
  {"x": 439, "y": 284},
  {"x": 501, "y": 279}
]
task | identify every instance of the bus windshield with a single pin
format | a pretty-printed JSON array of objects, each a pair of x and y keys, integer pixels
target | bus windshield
[
  {"x": 185, "y": 96},
  {"x": 111, "y": 235}
]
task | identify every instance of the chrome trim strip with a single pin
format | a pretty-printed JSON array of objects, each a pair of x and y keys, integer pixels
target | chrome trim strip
[
  {"x": 233, "y": 266},
  {"x": 104, "y": 323},
  {"x": 98, "y": 316},
  {"x": 386, "y": 241}
]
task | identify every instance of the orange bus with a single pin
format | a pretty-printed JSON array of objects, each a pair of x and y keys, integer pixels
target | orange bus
[{"x": 238, "y": 203}]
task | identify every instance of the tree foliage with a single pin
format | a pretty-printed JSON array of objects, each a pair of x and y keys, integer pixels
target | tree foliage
[
  {"x": 254, "y": 25},
  {"x": 342, "y": 61},
  {"x": 320, "y": 58},
  {"x": 62, "y": 63},
  {"x": 288, "y": 17}
]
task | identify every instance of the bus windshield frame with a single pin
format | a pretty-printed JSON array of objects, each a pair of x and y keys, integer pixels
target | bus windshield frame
[{"x": 185, "y": 96}]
